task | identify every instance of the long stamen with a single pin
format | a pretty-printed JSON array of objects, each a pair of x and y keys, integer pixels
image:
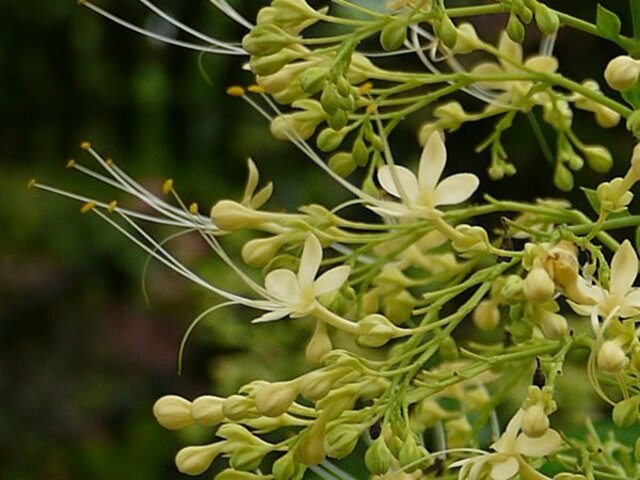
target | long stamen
[
  {"x": 230, "y": 50},
  {"x": 230, "y": 12}
]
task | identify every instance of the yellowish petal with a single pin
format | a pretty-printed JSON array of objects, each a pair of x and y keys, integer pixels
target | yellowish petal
[
  {"x": 432, "y": 162},
  {"x": 283, "y": 285},
  {"x": 395, "y": 179},
  {"x": 540, "y": 446},
  {"x": 490, "y": 68},
  {"x": 504, "y": 469},
  {"x": 542, "y": 64},
  {"x": 510, "y": 50},
  {"x": 309, "y": 261},
  {"x": 624, "y": 269},
  {"x": 331, "y": 280},
  {"x": 456, "y": 189}
]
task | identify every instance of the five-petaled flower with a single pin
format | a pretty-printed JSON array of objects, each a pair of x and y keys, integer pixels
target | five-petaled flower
[
  {"x": 295, "y": 295},
  {"x": 422, "y": 194},
  {"x": 620, "y": 300},
  {"x": 507, "y": 460}
]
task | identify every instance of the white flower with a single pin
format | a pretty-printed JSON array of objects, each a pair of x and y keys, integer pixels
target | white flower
[
  {"x": 621, "y": 299},
  {"x": 515, "y": 91},
  {"x": 422, "y": 194},
  {"x": 508, "y": 461},
  {"x": 295, "y": 295}
]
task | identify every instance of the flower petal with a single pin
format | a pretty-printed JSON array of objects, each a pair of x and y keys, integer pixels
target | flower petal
[
  {"x": 540, "y": 446},
  {"x": 271, "y": 316},
  {"x": 490, "y": 68},
  {"x": 283, "y": 285},
  {"x": 584, "y": 310},
  {"x": 407, "y": 181},
  {"x": 391, "y": 209},
  {"x": 331, "y": 280},
  {"x": 505, "y": 444},
  {"x": 456, "y": 189},
  {"x": 624, "y": 269},
  {"x": 511, "y": 50},
  {"x": 631, "y": 303},
  {"x": 542, "y": 63},
  {"x": 504, "y": 469},
  {"x": 309, "y": 261},
  {"x": 432, "y": 161}
]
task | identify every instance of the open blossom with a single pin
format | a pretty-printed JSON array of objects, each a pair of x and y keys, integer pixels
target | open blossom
[
  {"x": 422, "y": 194},
  {"x": 507, "y": 460},
  {"x": 295, "y": 294},
  {"x": 621, "y": 299}
]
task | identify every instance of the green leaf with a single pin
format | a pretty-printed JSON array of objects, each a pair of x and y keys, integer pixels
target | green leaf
[
  {"x": 632, "y": 96},
  {"x": 638, "y": 239},
  {"x": 608, "y": 23},
  {"x": 592, "y": 198}
]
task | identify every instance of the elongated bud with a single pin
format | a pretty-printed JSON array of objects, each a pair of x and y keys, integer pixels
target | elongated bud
[
  {"x": 173, "y": 412},
  {"x": 450, "y": 116},
  {"x": 248, "y": 457},
  {"x": 260, "y": 251},
  {"x": 546, "y": 19},
  {"x": 230, "y": 215},
  {"x": 446, "y": 31},
  {"x": 538, "y": 286},
  {"x": 329, "y": 139},
  {"x": 341, "y": 440},
  {"x": 553, "y": 325},
  {"x": 275, "y": 399},
  {"x": 515, "y": 29},
  {"x": 376, "y": 330},
  {"x": 271, "y": 64},
  {"x": 197, "y": 459},
  {"x": 467, "y": 39},
  {"x": 285, "y": 467},
  {"x": 311, "y": 449},
  {"x": 299, "y": 125},
  {"x": 471, "y": 240},
  {"x": 378, "y": 457},
  {"x": 635, "y": 160},
  {"x": 266, "y": 39},
  {"x": 625, "y": 413},
  {"x": 312, "y": 80},
  {"x": 611, "y": 358},
  {"x": 236, "y": 407},
  {"x": 622, "y": 73},
  {"x": 598, "y": 158},
  {"x": 319, "y": 345},
  {"x": 563, "y": 178},
  {"x": 393, "y": 35},
  {"x": 342, "y": 163},
  {"x": 486, "y": 315},
  {"x": 207, "y": 410},
  {"x": 232, "y": 474},
  {"x": 413, "y": 456},
  {"x": 535, "y": 422}
]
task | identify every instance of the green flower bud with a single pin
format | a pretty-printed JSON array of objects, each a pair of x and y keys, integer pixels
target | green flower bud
[
  {"x": 341, "y": 440},
  {"x": 633, "y": 123},
  {"x": 376, "y": 330},
  {"x": 196, "y": 460},
  {"x": 413, "y": 456},
  {"x": 470, "y": 239},
  {"x": 458, "y": 432},
  {"x": 275, "y": 399},
  {"x": 297, "y": 125},
  {"x": 266, "y": 39},
  {"x": 486, "y": 315},
  {"x": 360, "y": 152},
  {"x": 270, "y": 64},
  {"x": 553, "y": 325},
  {"x": 237, "y": 407},
  {"x": 467, "y": 39},
  {"x": 342, "y": 163},
  {"x": 313, "y": 80},
  {"x": 343, "y": 86},
  {"x": 173, "y": 412},
  {"x": 231, "y": 474},
  {"x": 285, "y": 467},
  {"x": 622, "y": 73},
  {"x": 538, "y": 286},
  {"x": 448, "y": 349},
  {"x": 338, "y": 120},
  {"x": 393, "y": 35},
  {"x": 625, "y": 413},
  {"x": 329, "y": 139},
  {"x": 450, "y": 116},
  {"x": 546, "y": 19},
  {"x": 598, "y": 158},
  {"x": 378, "y": 457},
  {"x": 330, "y": 98},
  {"x": 311, "y": 448},
  {"x": 563, "y": 178},
  {"x": 447, "y": 32},
  {"x": 259, "y": 251},
  {"x": 207, "y": 410},
  {"x": 247, "y": 457},
  {"x": 398, "y": 307},
  {"x": 515, "y": 29},
  {"x": 319, "y": 345}
]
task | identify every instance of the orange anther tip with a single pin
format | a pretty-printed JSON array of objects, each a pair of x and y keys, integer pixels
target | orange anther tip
[
  {"x": 235, "y": 91},
  {"x": 112, "y": 206},
  {"x": 85, "y": 145},
  {"x": 70, "y": 163},
  {"x": 87, "y": 207},
  {"x": 193, "y": 208},
  {"x": 371, "y": 108},
  {"x": 255, "y": 89},
  {"x": 167, "y": 186},
  {"x": 365, "y": 88}
]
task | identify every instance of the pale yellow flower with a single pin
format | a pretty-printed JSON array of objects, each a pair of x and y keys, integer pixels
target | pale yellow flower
[
  {"x": 295, "y": 294},
  {"x": 422, "y": 194},
  {"x": 507, "y": 460}
]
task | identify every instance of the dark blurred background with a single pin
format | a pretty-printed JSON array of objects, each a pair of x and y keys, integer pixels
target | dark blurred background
[{"x": 82, "y": 355}]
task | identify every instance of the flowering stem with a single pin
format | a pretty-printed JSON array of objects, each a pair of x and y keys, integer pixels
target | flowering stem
[
  {"x": 330, "y": 318},
  {"x": 635, "y": 18}
]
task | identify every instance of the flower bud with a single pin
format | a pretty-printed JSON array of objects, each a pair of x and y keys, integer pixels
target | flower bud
[
  {"x": 311, "y": 448},
  {"x": 342, "y": 163},
  {"x": 476, "y": 398},
  {"x": 625, "y": 413},
  {"x": 470, "y": 239},
  {"x": 313, "y": 79},
  {"x": 360, "y": 152},
  {"x": 232, "y": 474},
  {"x": 393, "y": 35},
  {"x": 375, "y": 330},
  {"x": 446, "y": 31},
  {"x": 342, "y": 439},
  {"x": 299, "y": 125},
  {"x": 398, "y": 307},
  {"x": 197, "y": 459},
  {"x": 613, "y": 196},
  {"x": 515, "y": 29},
  {"x": 247, "y": 457},
  {"x": 237, "y": 407},
  {"x": 230, "y": 215},
  {"x": 546, "y": 19},
  {"x": 538, "y": 286},
  {"x": 635, "y": 160},
  {"x": 450, "y": 116},
  {"x": 275, "y": 399},
  {"x": 511, "y": 291},
  {"x": 486, "y": 315},
  {"x": 259, "y": 251},
  {"x": 598, "y": 158},
  {"x": 271, "y": 64},
  {"x": 429, "y": 412},
  {"x": 563, "y": 178},
  {"x": 569, "y": 476},
  {"x": 553, "y": 325},
  {"x": 295, "y": 15},
  {"x": 378, "y": 457},
  {"x": 207, "y": 410},
  {"x": 413, "y": 456},
  {"x": 467, "y": 39},
  {"x": 317, "y": 384},
  {"x": 535, "y": 422},
  {"x": 338, "y": 120},
  {"x": 285, "y": 467},
  {"x": 266, "y": 39},
  {"x": 173, "y": 412},
  {"x": 458, "y": 432},
  {"x": 622, "y": 73},
  {"x": 425, "y": 132},
  {"x": 319, "y": 345},
  {"x": 611, "y": 358},
  {"x": 606, "y": 118},
  {"x": 329, "y": 139}
]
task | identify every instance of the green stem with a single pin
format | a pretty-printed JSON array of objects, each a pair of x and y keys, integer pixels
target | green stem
[{"x": 635, "y": 18}]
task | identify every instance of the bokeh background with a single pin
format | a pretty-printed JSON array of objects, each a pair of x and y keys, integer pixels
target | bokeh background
[{"x": 82, "y": 355}]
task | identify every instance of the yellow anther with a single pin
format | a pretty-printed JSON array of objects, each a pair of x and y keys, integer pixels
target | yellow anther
[
  {"x": 236, "y": 91},
  {"x": 70, "y": 163},
  {"x": 365, "y": 88},
  {"x": 80, "y": 2},
  {"x": 87, "y": 207},
  {"x": 371, "y": 109},
  {"x": 31, "y": 183},
  {"x": 109, "y": 161},
  {"x": 112, "y": 206},
  {"x": 193, "y": 208},
  {"x": 255, "y": 89},
  {"x": 85, "y": 145},
  {"x": 167, "y": 186}
]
